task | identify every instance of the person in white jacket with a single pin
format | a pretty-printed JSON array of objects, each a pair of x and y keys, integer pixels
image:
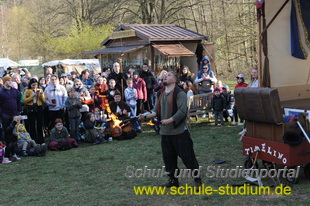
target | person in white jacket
[{"x": 56, "y": 96}]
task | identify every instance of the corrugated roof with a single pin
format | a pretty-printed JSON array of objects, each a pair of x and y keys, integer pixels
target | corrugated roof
[
  {"x": 160, "y": 32},
  {"x": 115, "y": 50},
  {"x": 173, "y": 50}
]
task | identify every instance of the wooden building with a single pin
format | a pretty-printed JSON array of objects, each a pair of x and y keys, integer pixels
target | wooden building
[{"x": 162, "y": 46}]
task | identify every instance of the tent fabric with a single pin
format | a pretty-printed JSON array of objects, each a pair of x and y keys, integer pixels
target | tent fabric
[
  {"x": 6, "y": 62},
  {"x": 173, "y": 50},
  {"x": 71, "y": 62},
  {"x": 285, "y": 70},
  {"x": 300, "y": 28}
]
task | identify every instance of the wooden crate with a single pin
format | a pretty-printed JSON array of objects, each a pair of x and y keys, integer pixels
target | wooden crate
[{"x": 265, "y": 131}]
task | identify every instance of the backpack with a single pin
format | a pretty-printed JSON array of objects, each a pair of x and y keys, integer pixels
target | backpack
[
  {"x": 64, "y": 146},
  {"x": 205, "y": 86}
]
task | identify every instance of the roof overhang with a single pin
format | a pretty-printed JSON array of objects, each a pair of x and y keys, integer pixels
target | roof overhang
[
  {"x": 173, "y": 50},
  {"x": 116, "y": 50}
]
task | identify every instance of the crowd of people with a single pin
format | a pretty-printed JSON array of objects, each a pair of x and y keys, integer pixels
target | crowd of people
[{"x": 58, "y": 112}]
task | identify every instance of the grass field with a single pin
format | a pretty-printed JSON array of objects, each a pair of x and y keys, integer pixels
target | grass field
[{"x": 95, "y": 174}]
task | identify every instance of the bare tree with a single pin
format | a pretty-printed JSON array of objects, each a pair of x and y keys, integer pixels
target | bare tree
[{"x": 230, "y": 24}]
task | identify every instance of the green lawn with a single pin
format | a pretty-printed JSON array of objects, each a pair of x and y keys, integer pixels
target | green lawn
[{"x": 95, "y": 174}]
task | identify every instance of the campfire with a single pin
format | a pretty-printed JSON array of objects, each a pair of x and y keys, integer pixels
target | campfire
[{"x": 118, "y": 126}]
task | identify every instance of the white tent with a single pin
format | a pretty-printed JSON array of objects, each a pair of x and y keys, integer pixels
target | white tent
[
  {"x": 72, "y": 62},
  {"x": 6, "y": 62},
  {"x": 75, "y": 65}
]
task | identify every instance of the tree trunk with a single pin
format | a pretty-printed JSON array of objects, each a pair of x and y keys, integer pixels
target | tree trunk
[{"x": 226, "y": 38}]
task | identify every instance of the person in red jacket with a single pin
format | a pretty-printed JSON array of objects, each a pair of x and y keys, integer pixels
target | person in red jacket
[
  {"x": 140, "y": 85},
  {"x": 240, "y": 83}
]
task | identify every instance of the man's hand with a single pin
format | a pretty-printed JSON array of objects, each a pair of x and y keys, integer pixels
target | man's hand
[
  {"x": 166, "y": 121},
  {"x": 147, "y": 115},
  {"x": 141, "y": 117}
]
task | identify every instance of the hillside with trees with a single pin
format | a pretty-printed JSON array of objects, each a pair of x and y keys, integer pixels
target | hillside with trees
[{"x": 54, "y": 29}]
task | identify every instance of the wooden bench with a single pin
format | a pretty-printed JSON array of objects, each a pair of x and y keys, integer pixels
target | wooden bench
[{"x": 199, "y": 104}]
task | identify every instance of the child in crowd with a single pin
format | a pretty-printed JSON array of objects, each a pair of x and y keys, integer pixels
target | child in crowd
[
  {"x": 204, "y": 62},
  {"x": 228, "y": 113},
  {"x": 93, "y": 134},
  {"x": 131, "y": 97},
  {"x": 73, "y": 105},
  {"x": 95, "y": 99},
  {"x": 111, "y": 90},
  {"x": 99, "y": 117},
  {"x": 240, "y": 83},
  {"x": 219, "y": 85},
  {"x": 24, "y": 140},
  {"x": 59, "y": 137},
  {"x": 218, "y": 105}
]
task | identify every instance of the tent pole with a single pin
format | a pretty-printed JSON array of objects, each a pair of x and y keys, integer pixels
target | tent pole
[{"x": 260, "y": 70}]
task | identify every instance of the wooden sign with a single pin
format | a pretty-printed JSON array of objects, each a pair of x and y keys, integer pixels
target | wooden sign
[
  {"x": 277, "y": 152},
  {"x": 122, "y": 34}
]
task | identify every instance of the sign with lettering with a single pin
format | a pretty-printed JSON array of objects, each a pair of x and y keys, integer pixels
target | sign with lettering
[
  {"x": 277, "y": 152},
  {"x": 265, "y": 148},
  {"x": 122, "y": 34}
]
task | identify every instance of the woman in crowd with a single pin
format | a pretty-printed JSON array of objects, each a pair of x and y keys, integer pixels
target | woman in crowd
[
  {"x": 140, "y": 86},
  {"x": 186, "y": 75},
  {"x": 17, "y": 78},
  {"x": 84, "y": 96},
  {"x": 42, "y": 83},
  {"x": 48, "y": 79},
  {"x": 56, "y": 96},
  {"x": 254, "y": 78},
  {"x": 62, "y": 81},
  {"x": 102, "y": 89},
  {"x": 240, "y": 83},
  {"x": 189, "y": 89},
  {"x": 34, "y": 99}
]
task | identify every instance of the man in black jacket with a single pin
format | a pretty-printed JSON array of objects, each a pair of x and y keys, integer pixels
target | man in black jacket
[
  {"x": 118, "y": 77},
  {"x": 119, "y": 107},
  {"x": 149, "y": 79}
]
